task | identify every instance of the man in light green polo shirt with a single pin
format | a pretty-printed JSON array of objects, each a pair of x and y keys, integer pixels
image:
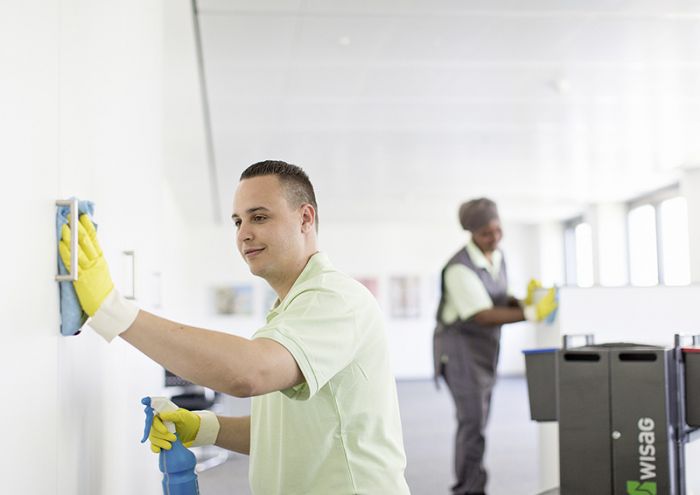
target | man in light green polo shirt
[
  {"x": 340, "y": 429},
  {"x": 324, "y": 416}
]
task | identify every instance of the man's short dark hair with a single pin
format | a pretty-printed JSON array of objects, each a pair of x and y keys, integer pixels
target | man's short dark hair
[{"x": 297, "y": 186}]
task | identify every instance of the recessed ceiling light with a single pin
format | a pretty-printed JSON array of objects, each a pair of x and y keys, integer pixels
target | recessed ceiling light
[
  {"x": 344, "y": 41},
  {"x": 560, "y": 85}
]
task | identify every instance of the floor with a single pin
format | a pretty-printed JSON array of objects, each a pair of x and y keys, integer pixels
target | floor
[{"x": 428, "y": 426}]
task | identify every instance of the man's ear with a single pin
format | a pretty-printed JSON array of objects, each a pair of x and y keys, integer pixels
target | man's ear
[{"x": 308, "y": 217}]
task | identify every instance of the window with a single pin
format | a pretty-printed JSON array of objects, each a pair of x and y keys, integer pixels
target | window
[
  {"x": 644, "y": 242},
  {"x": 658, "y": 240}
]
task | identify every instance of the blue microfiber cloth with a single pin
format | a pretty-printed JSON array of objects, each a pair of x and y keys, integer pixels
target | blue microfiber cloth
[
  {"x": 553, "y": 315},
  {"x": 72, "y": 315}
]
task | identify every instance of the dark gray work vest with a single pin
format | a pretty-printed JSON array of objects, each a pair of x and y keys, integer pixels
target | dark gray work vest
[{"x": 481, "y": 341}]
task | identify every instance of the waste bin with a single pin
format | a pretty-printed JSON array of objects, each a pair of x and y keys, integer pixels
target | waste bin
[
  {"x": 541, "y": 372},
  {"x": 585, "y": 450},
  {"x": 612, "y": 399},
  {"x": 691, "y": 359}
]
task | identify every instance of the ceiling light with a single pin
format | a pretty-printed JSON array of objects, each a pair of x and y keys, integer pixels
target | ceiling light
[{"x": 560, "y": 85}]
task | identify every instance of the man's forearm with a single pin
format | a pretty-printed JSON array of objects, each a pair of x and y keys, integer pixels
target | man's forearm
[
  {"x": 499, "y": 315},
  {"x": 223, "y": 362},
  {"x": 234, "y": 434}
]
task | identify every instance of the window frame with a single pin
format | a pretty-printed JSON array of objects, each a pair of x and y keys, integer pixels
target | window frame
[{"x": 569, "y": 246}]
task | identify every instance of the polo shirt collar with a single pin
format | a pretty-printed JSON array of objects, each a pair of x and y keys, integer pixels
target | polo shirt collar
[
  {"x": 318, "y": 263},
  {"x": 481, "y": 261}
]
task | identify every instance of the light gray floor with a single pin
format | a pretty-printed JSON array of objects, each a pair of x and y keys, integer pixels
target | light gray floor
[{"x": 428, "y": 425}]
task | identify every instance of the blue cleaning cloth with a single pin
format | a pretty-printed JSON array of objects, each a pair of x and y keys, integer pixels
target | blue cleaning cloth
[
  {"x": 553, "y": 315},
  {"x": 72, "y": 315}
]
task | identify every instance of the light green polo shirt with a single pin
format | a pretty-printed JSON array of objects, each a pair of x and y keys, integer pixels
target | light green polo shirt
[
  {"x": 465, "y": 294},
  {"x": 339, "y": 432}
]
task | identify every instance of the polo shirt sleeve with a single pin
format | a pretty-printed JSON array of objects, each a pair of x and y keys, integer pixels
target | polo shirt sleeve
[
  {"x": 318, "y": 328},
  {"x": 466, "y": 292}
]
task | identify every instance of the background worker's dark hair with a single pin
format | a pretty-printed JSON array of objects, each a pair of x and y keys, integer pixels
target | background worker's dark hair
[{"x": 297, "y": 186}]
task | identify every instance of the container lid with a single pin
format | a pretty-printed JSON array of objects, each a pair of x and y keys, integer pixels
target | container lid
[
  {"x": 691, "y": 350},
  {"x": 625, "y": 345},
  {"x": 543, "y": 350}
]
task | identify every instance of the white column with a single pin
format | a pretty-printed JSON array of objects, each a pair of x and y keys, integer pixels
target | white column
[
  {"x": 551, "y": 254},
  {"x": 608, "y": 223},
  {"x": 548, "y": 335},
  {"x": 690, "y": 189}
]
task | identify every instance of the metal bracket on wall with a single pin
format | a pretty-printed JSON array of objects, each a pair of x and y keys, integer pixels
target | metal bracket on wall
[
  {"x": 568, "y": 341},
  {"x": 72, "y": 275}
]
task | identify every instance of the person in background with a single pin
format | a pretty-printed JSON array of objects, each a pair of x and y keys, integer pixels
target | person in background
[
  {"x": 474, "y": 304},
  {"x": 324, "y": 414}
]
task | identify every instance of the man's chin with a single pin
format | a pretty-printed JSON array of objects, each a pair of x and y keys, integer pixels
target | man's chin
[{"x": 256, "y": 270}]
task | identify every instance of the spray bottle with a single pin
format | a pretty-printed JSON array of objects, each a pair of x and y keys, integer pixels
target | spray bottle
[{"x": 176, "y": 464}]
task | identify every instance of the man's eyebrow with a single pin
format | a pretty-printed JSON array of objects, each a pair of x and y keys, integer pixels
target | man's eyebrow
[{"x": 249, "y": 211}]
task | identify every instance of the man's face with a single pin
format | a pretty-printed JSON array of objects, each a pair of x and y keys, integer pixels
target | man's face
[
  {"x": 269, "y": 230},
  {"x": 488, "y": 237}
]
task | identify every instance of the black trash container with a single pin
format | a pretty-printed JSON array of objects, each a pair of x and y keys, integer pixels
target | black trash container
[
  {"x": 541, "y": 372},
  {"x": 691, "y": 360}
]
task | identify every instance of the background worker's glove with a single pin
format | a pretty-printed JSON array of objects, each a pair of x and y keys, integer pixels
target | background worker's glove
[
  {"x": 194, "y": 428},
  {"x": 543, "y": 308},
  {"x": 532, "y": 286},
  {"x": 111, "y": 314}
]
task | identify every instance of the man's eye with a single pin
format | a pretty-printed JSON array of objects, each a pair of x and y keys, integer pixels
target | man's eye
[
  {"x": 258, "y": 218},
  {"x": 237, "y": 223}
]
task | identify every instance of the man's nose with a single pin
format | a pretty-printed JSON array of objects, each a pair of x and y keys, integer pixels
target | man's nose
[{"x": 244, "y": 233}]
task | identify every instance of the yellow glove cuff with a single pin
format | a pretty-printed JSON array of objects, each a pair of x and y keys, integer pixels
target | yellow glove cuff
[
  {"x": 114, "y": 316},
  {"x": 208, "y": 429},
  {"x": 530, "y": 313}
]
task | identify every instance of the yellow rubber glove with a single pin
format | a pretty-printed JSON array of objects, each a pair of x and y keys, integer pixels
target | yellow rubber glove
[
  {"x": 94, "y": 282},
  {"x": 532, "y": 286},
  {"x": 186, "y": 424},
  {"x": 546, "y": 305}
]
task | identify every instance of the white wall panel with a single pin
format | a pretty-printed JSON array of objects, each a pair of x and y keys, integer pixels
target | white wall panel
[
  {"x": 28, "y": 299},
  {"x": 82, "y": 96}
]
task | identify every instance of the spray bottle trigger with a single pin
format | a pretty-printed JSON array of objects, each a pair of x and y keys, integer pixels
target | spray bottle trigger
[{"x": 149, "y": 418}]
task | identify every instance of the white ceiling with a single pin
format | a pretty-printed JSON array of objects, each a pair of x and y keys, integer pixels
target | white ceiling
[{"x": 398, "y": 109}]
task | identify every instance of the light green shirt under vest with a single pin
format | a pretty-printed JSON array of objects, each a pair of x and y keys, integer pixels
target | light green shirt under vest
[
  {"x": 339, "y": 432},
  {"x": 465, "y": 295}
]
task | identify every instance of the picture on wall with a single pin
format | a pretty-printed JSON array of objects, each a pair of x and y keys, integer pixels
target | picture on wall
[
  {"x": 234, "y": 300},
  {"x": 404, "y": 296}
]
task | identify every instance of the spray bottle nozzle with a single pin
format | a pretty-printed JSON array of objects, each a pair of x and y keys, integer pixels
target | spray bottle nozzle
[{"x": 155, "y": 405}]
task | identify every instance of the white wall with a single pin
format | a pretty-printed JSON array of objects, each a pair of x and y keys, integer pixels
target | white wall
[
  {"x": 82, "y": 98},
  {"x": 647, "y": 315},
  {"x": 29, "y": 364}
]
